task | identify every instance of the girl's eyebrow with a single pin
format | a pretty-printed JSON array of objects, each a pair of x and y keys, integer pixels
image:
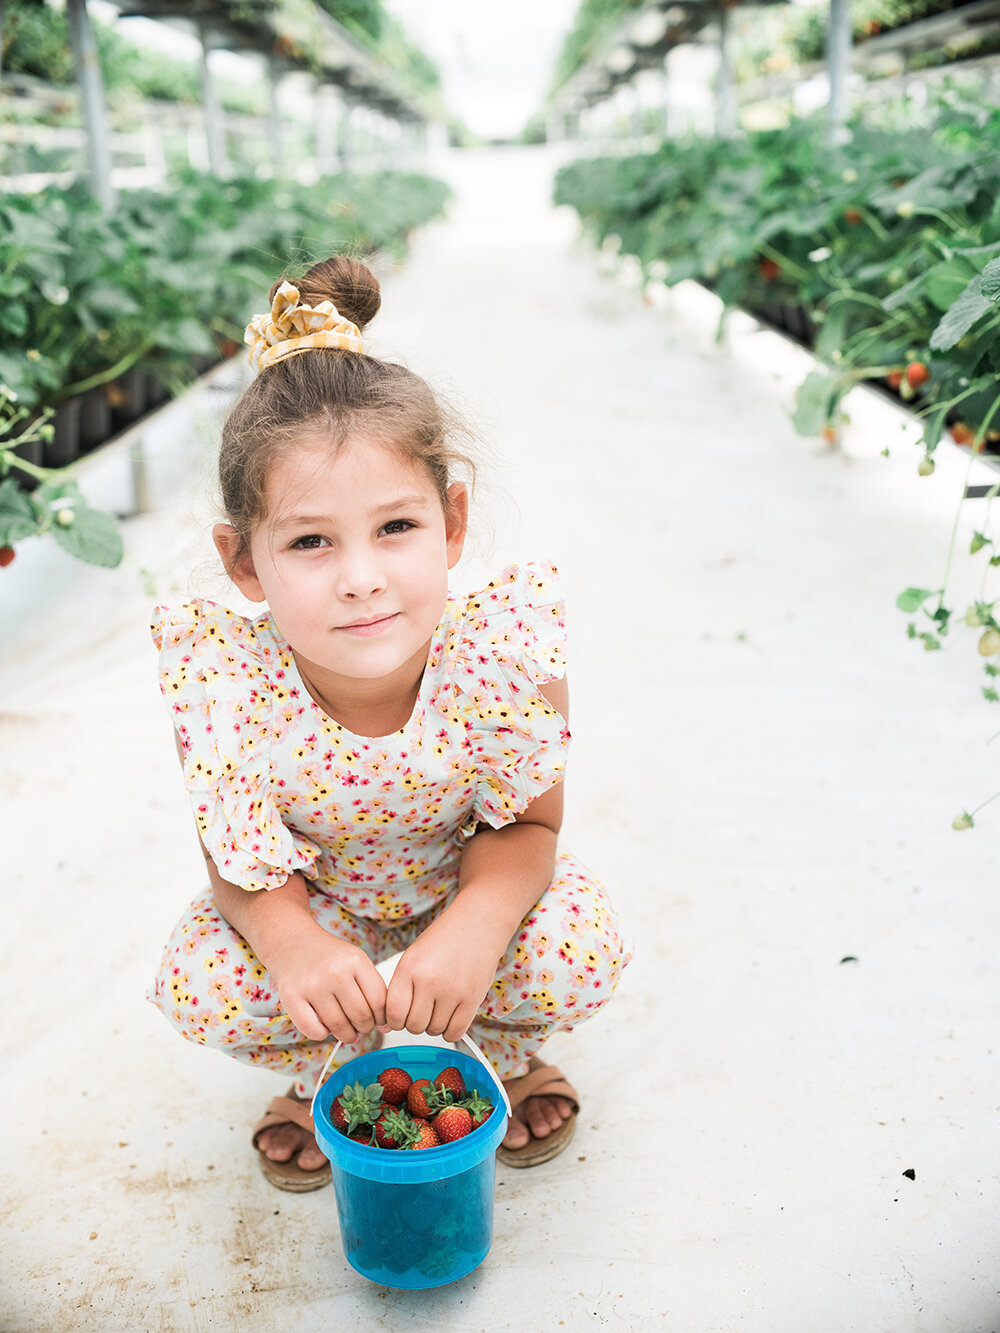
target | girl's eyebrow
[{"x": 319, "y": 520}]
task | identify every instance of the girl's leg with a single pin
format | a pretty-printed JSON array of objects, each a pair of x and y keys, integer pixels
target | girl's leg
[
  {"x": 216, "y": 992},
  {"x": 561, "y": 968}
]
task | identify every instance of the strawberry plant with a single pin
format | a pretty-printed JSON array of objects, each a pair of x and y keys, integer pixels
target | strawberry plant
[
  {"x": 55, "y": 506},
  {"x": 888, "y": 249}
]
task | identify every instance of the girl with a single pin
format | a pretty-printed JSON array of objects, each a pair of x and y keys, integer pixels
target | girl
[{"x": 374, "y": 764}]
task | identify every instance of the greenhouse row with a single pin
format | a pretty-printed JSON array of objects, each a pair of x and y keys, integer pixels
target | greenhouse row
[{"x": 502, "y": 643}]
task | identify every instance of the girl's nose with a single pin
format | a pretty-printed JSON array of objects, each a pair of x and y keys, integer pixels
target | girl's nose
[{"x": 360, "y": 575}]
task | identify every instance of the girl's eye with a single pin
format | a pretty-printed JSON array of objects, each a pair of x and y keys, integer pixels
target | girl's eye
[
  {"x": 397, "y": 525},
  {"x": 311, "y": 543}
]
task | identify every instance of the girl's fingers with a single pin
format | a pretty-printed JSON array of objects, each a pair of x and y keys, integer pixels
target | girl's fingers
[
  {"x": 308, "y": 1021},
  {"x": 355, "y": 1006},
  {"x": 421, "y": 1008},
  {"x": 459, "y": 1023},
  {"x": 337, "y": 1022},
  {"x": 374, "y": 992},
  {"x": 397, "y": 1002},
  {"x": 441, "y": 1018}
]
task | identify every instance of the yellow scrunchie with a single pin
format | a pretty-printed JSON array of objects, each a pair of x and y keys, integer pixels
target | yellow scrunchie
[{"x": 290, "y": 328}]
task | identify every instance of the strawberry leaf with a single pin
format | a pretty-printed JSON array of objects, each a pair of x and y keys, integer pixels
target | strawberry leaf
[
  {"x": 912, "y": 599},
  {"x": 18, "y": 516}
]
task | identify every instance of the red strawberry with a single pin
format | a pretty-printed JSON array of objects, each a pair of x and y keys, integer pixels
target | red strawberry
[
  {"x": 393, "y": 1128},
  {"x": 853, "y": 216},
  {"x": 454, "y": 1122},
  {"x": 768, "y": 269},
  {"x": 894, "y": 379},
  {"x": 427, "y": 1135},
  {"x": 450, "y": 1080},
  {"x": 917, "y": 374},
  {"x": 7, "y": 554},
  {"x": 416, "y": 1099},
  {"x": 395, "y": 1084},
  {"x": 363, "y": 1134}
]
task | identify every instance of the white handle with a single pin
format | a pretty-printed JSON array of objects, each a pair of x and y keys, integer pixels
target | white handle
[{"x": 468, "y": 1041}]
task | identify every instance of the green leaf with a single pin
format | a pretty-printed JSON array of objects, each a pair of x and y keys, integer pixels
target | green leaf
[
  {"x": 18, "y": 516},
  {"x": 991, "y": 280},
  {"x": 92, "y": 536},
  {"x": 912, "y": 599},
  {"x": 990, "y": 695},
  {"x": 946, "y": 282},
  {"x": 960, "y": 317}
]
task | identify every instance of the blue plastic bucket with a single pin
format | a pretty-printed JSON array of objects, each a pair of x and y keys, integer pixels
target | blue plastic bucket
[{"x": 420, "y": 1218}]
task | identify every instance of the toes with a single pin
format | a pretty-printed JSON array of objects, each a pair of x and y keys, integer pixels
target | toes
[
  {"x": 311, "y": 1158},
  {"x": 280, "y": 1142},
  {"x": 517, "y": 1134}
]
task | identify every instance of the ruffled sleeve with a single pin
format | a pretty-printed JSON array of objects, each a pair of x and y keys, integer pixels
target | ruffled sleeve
[
  {"x": 506, "y": 642},
  {"x": 215, "y": 675}
]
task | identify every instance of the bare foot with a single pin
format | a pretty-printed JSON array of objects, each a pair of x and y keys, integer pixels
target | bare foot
[
  {"x": 282, "y": 1142},
  {"x": 536, "y": 1117}
]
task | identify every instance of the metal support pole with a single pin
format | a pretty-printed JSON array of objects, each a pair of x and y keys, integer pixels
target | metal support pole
[
  {"x": 88, "y": 77},
  {"x": 838, "y": 63},
  {"x": 274, "y": 127},
  {"x": 346, "y": 136},
  {"x": 215, "y": 130},
  {"x": 324, "y": 130},
  {"x": 725, "y": 92}
]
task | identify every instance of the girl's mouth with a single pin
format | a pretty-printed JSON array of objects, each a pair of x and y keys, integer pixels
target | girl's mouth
[{"x": 366, "y": 628}]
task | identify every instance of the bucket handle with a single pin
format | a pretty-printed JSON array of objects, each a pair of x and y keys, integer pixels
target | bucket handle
[{"x": 465, "y": 1037}]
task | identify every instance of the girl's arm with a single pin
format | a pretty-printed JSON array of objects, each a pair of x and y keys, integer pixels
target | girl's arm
[
  {"x": 326, "y": 985},
  {"x": 441, "y": 979}
]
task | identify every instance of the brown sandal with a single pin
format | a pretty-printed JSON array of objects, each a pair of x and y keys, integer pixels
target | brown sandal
[
  {"x": 541, "y": 1080},
  {"x": 289, "y": 1175}
]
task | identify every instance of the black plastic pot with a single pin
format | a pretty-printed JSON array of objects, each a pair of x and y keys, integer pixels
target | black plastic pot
[
  {"x": 64, "y": 446},
  {"x": 127, "y": 395},
  {"x": 156, "y": 391},
  {"x": 95, "y": 418}
]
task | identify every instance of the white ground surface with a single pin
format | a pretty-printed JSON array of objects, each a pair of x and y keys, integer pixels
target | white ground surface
[{"x": 765, "y": 771}]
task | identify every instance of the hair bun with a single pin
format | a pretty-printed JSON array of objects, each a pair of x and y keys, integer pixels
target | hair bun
[{"x": 350, "y": 285}]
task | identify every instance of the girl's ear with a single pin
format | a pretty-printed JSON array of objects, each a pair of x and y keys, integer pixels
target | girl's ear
[
  {"x": 238, "y": 564},
  {"x": 456, "y": 521}
]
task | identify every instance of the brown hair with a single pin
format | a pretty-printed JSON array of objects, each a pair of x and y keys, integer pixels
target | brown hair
[{"x": 329, "y": 394}]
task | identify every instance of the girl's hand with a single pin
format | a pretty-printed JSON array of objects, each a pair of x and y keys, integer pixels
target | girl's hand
[
  {"x": 328, "y": 986},
  {"x": 440, "y": 981}
]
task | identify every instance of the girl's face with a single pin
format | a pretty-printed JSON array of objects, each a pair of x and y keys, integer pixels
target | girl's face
[{"x": 352, "y": 559}]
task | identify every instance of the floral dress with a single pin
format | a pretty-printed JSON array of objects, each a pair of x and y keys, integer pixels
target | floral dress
[{"x": 376, "y": 825}]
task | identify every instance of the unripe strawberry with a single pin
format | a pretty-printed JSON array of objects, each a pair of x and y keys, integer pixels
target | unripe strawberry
[
  {"x": 989, "y": 643},
  {"x": 962, "y": 821},
  {"x": 925, "y": 467}
]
